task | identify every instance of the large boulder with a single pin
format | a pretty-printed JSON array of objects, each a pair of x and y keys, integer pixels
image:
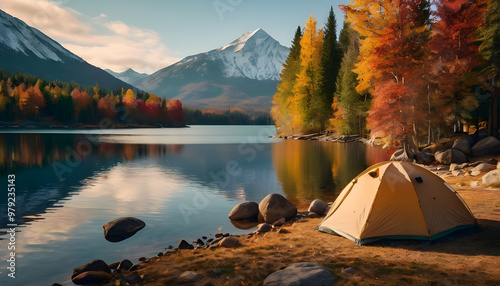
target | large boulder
[
  {"x": 479, "y": 135},
  {"x": 275, "y": 206},
  {"x": 245, "y": 210},
  {"x": 303, "y": 274},
  {"x": 424, "y": 158},
  {"x": 464, "y": 144},
  {"x": 450, "y": 156},
  {"x": 122, "y": 228},
  {"x": 443, "y": 144},
  {"x": 318, "y": 206},
  {"x": 492, "y": 178},
  {"x": 96, "y": 265},
  {"x": 487, "y": 146}
]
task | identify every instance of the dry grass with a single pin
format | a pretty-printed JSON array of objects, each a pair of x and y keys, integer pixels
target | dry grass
[{"x": 464, "y": 258}]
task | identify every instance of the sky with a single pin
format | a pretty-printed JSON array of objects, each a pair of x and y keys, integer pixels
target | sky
[{"x": 151, "y": 34}]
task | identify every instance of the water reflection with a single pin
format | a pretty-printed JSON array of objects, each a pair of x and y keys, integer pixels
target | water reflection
[
  {"x": 108, "y": 176},
  {"x": 310, "y": 169}
]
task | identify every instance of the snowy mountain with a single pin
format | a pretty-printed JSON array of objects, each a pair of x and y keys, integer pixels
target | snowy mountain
[
  {"x": 255, "y": 55},
  {"x": 27, "y": 50},
  {"x": 242, "y": 74},
  {"x": 129, "y": 76}
]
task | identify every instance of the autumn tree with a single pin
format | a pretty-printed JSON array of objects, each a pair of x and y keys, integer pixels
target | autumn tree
[
  {"x": 83, "y": 106},
  {"x": 390, "y": 64},
  {"x": 280, "y": 111},
  {"x": 306, "y": 92},
  {"x": 31, "y": 100},
  {"x": 175, "y": 114},
  {"x": 107, "y": 106},
  {"x": 455, "y": 53}
]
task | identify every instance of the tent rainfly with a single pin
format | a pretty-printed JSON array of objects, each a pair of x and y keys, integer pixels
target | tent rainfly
[{"x": 397, "y": 200}]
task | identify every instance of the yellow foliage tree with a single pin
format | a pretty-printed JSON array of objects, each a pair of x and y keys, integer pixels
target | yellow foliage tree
[
  {"x": 129, "y": 96},
  {"x": 306, "y": 89}
]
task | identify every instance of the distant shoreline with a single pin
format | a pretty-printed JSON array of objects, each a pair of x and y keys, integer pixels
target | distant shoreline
[{"x": 45, "y": 125}]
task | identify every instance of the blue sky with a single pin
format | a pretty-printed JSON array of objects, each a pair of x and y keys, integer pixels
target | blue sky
[{"x": 148, "y": 35}]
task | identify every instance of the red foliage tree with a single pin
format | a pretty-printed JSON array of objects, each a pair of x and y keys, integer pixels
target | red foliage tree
[
  {"x": 455, "y": 50},
  {"x": 175, "y": 115}
]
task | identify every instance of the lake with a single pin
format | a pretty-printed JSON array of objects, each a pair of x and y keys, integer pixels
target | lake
[{"x": 181, "y": 182}]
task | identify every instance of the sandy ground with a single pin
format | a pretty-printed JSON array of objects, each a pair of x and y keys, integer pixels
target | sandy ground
[{"x": 469, "y": 257}]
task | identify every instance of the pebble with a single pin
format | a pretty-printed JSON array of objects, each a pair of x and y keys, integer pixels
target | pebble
[
  {"x": 183, "y": 245},
  {"x": 349, "y": 270},
  {"x": 264, "y": 227},
  {"x": 133, "y": 279}
]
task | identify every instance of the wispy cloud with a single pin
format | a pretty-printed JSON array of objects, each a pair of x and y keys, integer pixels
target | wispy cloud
[{"x": 106, "y": 44}]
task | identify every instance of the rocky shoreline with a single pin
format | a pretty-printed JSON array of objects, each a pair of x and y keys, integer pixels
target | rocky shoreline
[
  {"x": 264, "y": 215},
  {"x": 327, "y": 136}
]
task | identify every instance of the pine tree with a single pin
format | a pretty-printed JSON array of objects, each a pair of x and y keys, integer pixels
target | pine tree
[
  {"x": 354, "y": 106},
  {"x": 331, "y": 57},
  {"x": 345, "y": 36},
  {"x": 281, "y": 101}
]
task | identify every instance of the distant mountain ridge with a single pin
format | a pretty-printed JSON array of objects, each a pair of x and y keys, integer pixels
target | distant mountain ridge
[
  {"x": 129, "y": 76},
  {"x": 243, "y": 74},
  {"x": 27, "y": 50}
]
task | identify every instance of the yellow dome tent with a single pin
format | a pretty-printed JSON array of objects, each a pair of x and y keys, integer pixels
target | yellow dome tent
[{"x": 396, "y": 200}]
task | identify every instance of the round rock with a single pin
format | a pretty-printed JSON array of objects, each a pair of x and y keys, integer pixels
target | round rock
[
  {"x": 91, "y": 278},
  {"x": 122, "y": 228},
  {"x": 246, "y": 210},
  {"x": 264, "y": 227},
  {"x": 318, "y": 206},
  {"x": 487, "y": 146},
  {"x": 275, "y": 206},
  {"x": 464, "y": 144},
  {"x": 96, "y": 265},
  {"x": 303, "y": 274},
  {"x": 491, "y": 178},
  {"x": 125, "y": 264},
  {"x": 229, "y": 242},
  {"x": 450, "y": 156}
]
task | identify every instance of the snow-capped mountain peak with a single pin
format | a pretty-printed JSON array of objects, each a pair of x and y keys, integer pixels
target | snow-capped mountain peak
[
  {"x": 18, "y": 36},
  {"x": 238, "y": 44},
  {"x": 254, "y": 55}
]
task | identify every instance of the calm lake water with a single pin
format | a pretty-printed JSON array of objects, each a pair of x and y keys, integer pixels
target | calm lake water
[{"x": 181, "y": 182}]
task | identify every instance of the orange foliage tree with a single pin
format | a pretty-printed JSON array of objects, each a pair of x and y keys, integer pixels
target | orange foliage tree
[
  {"x": 393, "y": 37},
  {"x": 82, "y": 102}
]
